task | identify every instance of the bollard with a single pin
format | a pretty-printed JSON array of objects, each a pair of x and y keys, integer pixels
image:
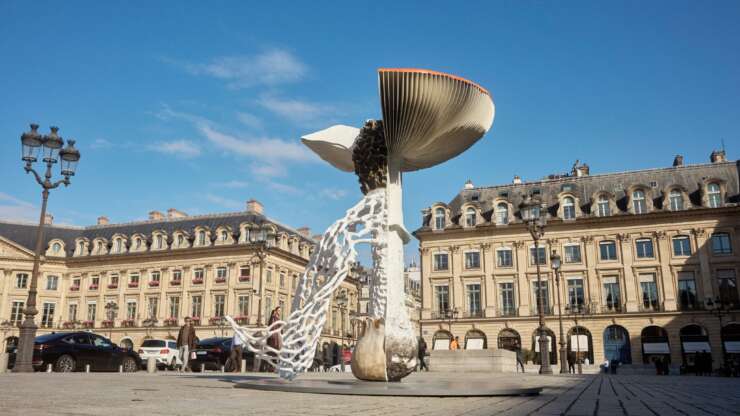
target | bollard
[
  {"x": 244, "y": 366},
  {"x": 223, "y": 369},
  {"x": 87, "y": 368},
  {"x": 48, "y": 368},
  {"x": 120, "y": 369},
  {"x": 4, "y": 362},
  {"x": 202, "y": 368},
  {"x": 151, "y": 365}
]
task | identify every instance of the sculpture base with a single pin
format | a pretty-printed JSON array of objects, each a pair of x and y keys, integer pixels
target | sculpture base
[{"x": 430, "y": 388}]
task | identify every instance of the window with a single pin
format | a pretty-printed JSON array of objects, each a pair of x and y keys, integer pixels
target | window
[
  {"x": 72, "y": 312},
  {"x": 52, "y": 282},
  {"x": 243, "y": 304},
  {"x": 540, "y": 292},
  {"x": 676, "y": 200},
  {"x": 221, "y": 273},
  {"x": 470, "y": 215},
  {"x": 152, "y": 308},
  {"x": 649, "y": 292},
  {"x": 195, "y": 306},
  {"x": 159, "y": 241},
  {"x": 198, "y": 275},
  {"x": 268, "y": 308},
  {"x": 727, "y": 286},
  {"x": 219, "y": 304},
  {"x": 644, "y": 248},
  {"x": 138, "y": 243},
  {"x": 602, "y": 205},
  {"x": 569, "y": 208},
  {"x": 281, "y": 303},
  {"x": 334, "y": 319},
  {"x": 721, "y": 243},
  {"x": 16, "y": 312},
  {"x": 268, "y": 277},
  {"x": 439, "y": 219},
  {"x": 118, "y": 247},
  {"x": 575, "y": 291},
  {"x": 101, "y": 248},
  {"x": 245, "y": 273},
  {"x": 155, "y": 276},
  {"x": 21, "y": 280},
  {"x": 133, "y": 279},
  {"x": 47, "y": 315},
  {"x": 114, "y": 280},
  {"x": 686, "y": 291},
  {"x": 473, "y": 291},
  {"x": 56, "y": 248},
  {"x": 177, "y": 275},
  {"x": 442, "y": 297},
  {"x": 94, "y": 282},
  {"x": 92, "y": 308},
  {"x": 612, "y": 295},
  {"x": 502, "y": 213},
  {"x": 572, "y": 254},
  {"x": 714, "y": 195},
  {"x": 607, "y": 250},
  {"x": 440, "y": 261},
  {"x": 201, "y": 238},
  {"x": 131, "y": 310},
  {"x": 681, "y": 246},
  {"x": 472, "y": 260},
  {"x": 224, "y": 235},
  {"x": 537, "y": 257},
  {"x": 504, "y": 257},
  {"x": 180, "y": 240},
  {"x": 638, "y": 202},
  {"x": 81, "y": 247},
  {"x": 506, "y": 295},
  {"x": 174, "y": 307},
  {"x": 76, "y": 283}
]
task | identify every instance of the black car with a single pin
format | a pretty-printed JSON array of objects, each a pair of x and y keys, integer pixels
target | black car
[
  {"x": 213, "y": 353},
  {"x": 72, "y": 351}
]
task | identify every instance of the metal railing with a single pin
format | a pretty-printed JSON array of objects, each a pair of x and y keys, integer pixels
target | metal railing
[
  {"x": 509, "y": 311},
  {"x": 474, "y": 314}
]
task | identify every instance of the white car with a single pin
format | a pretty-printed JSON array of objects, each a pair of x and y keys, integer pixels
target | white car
[{"x": 163, "y": 350}]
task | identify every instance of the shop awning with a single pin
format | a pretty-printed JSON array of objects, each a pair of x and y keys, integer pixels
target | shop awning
[
  {"x": 732, "y": 347},
  {"x": 441, "y": 344},
  {"x": 696, "y": 346},
  {"x": 474, "y": 344},
  {"x": 656, "y": 348}
]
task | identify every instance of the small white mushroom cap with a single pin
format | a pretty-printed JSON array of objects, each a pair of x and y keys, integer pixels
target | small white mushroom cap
[{"x": 334, "y": 145}]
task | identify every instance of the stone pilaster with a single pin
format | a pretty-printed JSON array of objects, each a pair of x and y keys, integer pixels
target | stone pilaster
[
  {"x": 522, "y": 287},
  {"x": 701, "y": 246},
  {"x": 631, "y": 295},
  {"x": 667, "y": 279}
]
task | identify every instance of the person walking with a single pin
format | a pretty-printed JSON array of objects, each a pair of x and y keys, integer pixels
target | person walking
[
  {"x": 422, "y": 354},
  {"x": 186, "y": 342},
  {"x": 275, "y": 341},
  {"x": 455, "y": 344},
  {"x": 519, "y": 357},
  {"x": 571, "y": 363},
  {"x": 236, "y": 354}
]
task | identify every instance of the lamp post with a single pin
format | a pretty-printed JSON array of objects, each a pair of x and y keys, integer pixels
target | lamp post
[
  {"x": 555, "y": 264},
  {"x": 577, "y": 310},
  {"x": 111, "y": 311},
  {"x": 719, "y": 308},
  {"x": 259, "y": 258},
  {"x": 50, "y": 148},
  {"x": 536, "y": 220},
  {"x": 341, "y": 300}
]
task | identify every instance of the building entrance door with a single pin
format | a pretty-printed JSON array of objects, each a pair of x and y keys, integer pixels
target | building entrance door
[{"x": 617, "y": 344}]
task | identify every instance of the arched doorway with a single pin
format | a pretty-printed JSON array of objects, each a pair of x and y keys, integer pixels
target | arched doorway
[
  {"x": 127, "y": 344},
  {"x": 655, "y": 344},
  {"x": 11, "y": 343},
  {"x": 581, "y": 345},
  {"x": 508, "y": 339},
  {"x": 694, "y": 340},
  {"x": 731, "y": 343},
  {"x": 475, "y": 340},
  {"x": 441, "y": 340},
  {"x": 553, "y": 349},
  {"x": 617, "y": 344}
]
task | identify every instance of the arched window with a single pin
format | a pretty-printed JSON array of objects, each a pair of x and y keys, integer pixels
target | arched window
[
  {"x": 714, "y": 195},
  {"x": 470, "y": 217},
  {"x": 137, "y": 245},
  {"x": 603, "y": 206},
  {"x": 569, "y": 208},
  {"x": 224, "y": 235},
  {"x": 201, "y": 238},
  {"x": 638, "y": 202},
  {"x": 100, "y": 247},
  {"x": 502, "y": 213},
  {"x": 81, "y": 247},
  {"x": 676, "y": 200},
  {"x": 180, "y": 240},
  {"x": 56, "y": 247},
  {"x": 159, "y": 241},
  {"x": 439, "y": 219},
  {"x": 118, "y": 245}
]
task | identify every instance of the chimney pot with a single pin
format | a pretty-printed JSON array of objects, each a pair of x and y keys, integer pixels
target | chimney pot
[
  {"x": 469, "y": 184},
  {"x": 156, "y": 215},
  {"x": 678, "y": 160},
  {"x": 254, "y": 206},
  {"x": 173, "y": 213},
  {"x": 103, "y": 220},
  {"x": 718, "y": 156},
  {"x": 517, "y": 180},
  {"x": 48, "y": 219},
  {"x": 304, "y": 231}
]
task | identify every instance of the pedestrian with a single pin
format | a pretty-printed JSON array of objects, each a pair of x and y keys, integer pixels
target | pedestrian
[
  {"x": 186, "y": 342},
  {"x": 665, "y": 365},
  {"x": 275, "y": 340},
  {"x": 455, "y": 344},
  {"x": 422, "y": 353},
  {"x": 707, "y": 363},
  {"x": 571, "y": 363},
  {"x": 658, "y": 369},
  {"x": 613, "y": 365},
  {"x": 605, "y": 366},
  {"x": 519, "y": 357},
  {"x": 236, "y": 354}
]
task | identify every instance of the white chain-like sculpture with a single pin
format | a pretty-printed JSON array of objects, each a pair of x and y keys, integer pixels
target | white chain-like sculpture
[{"x": 428, "y": 117}]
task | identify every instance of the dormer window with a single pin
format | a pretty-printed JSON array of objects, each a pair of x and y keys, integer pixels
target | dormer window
[
  {"x": 714, "y": 195},
  {"x": 224, "y": 235},
  {"x": 159, "y": 241},
  {"x": 137, "y": 245},
  {"x": 569, "y": 208},
  {"x": 201, "y": 238},
  {"x": 439, "y": 219},
  {"x": 470, "y": 217},
  {"x": 676, "y": 200},
  {"x": 100, "y": 247},
  {"x": 602, "y": 205},
  {"x": 502, "y": 213},
  {"x": 638, "y": 202},
  {"x": 81, "y": 247},
  {"x": 117, "y": 247}
]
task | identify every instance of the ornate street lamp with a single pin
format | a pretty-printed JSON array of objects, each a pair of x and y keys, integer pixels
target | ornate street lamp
[
  {"x": 719, "y": 308},
  {"x": 111, "y": 311},
  {"x": 342, "y": 300},
  {"x": 555, "y": 264},
  {"x": 50, "y": 149},
  {"x": 575, "y": 311},
  {"x": 532, "y": 211}
]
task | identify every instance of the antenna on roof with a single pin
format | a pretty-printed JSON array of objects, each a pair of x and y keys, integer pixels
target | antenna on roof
[{"x": 723, "y": 144}]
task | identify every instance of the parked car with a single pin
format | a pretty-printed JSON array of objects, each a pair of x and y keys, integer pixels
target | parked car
[
  {"x": 163, "y": 350},
  {"x": 72, "y": 351},
  {"x": 213, "y": 353}
]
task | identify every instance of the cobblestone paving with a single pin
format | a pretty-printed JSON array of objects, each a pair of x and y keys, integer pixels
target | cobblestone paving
[{"x": 213, "y": 394}]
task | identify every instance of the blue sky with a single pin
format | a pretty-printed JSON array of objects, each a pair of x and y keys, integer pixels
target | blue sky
[{"x": 200, "y": 106}]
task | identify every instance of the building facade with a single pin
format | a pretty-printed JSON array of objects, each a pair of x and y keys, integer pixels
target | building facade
[
  {"x": 137, "y": 280},
  {"x": 642, "y": 253}
]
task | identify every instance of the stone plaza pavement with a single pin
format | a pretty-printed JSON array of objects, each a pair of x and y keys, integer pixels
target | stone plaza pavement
[{"x": 213, "y": 394}]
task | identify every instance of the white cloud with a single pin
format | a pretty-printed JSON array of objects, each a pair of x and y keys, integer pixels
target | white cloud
[
  {"x": 298, "y": 111},
  {"x": 332, "y": 193},
  {"x": 249, "y": 120},
  {"x": 14, "y": 209},
  {"x": 100, "y": 144},
  {"x": 232, "y": 184},
  {"x": 283, "y": 188},
  {"x": 181, "y": 148},
  {"x": 224, "y": 202},
  {"x": 259, "y": 148},
  {"x": 272, "y": 67}
]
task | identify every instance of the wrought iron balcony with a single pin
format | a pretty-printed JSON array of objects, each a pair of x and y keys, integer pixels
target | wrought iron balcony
[
  {"x": 508, "y": 311},
  {"x": 474, "y": 314}
]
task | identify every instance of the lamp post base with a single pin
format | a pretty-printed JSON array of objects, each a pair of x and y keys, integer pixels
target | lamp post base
[
  {"x": 26, "y": 338},
  {"x": 545, "y": 367},
  {"x": 563, "y": 359}
]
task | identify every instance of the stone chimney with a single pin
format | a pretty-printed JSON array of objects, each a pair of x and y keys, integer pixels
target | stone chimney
[
  {"x": 103, "y": 220},
  {"x": 718, "y": 156},
  {"x": 678, "y": 161},
  {"x": 316, "y": 237},
  {"x": 48, "y": 219},
  {"x": 304, "y": 231},
  {"x": 469, "y": 184},
  {"x": 156, "y": 215},
  {"x": 173, "y": 213},
  {"x": 517, "y": 180},
  {"x": 255, "y": 207}
]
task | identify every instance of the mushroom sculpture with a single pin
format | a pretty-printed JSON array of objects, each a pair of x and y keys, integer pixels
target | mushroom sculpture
[{"x": 428, "y": 118}]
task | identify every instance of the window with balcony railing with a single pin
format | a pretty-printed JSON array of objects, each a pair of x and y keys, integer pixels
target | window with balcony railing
[{"x": 687, "y": 299}]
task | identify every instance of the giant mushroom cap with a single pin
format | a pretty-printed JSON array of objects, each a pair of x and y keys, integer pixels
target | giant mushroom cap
[{"x": 428, "y": 117}]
